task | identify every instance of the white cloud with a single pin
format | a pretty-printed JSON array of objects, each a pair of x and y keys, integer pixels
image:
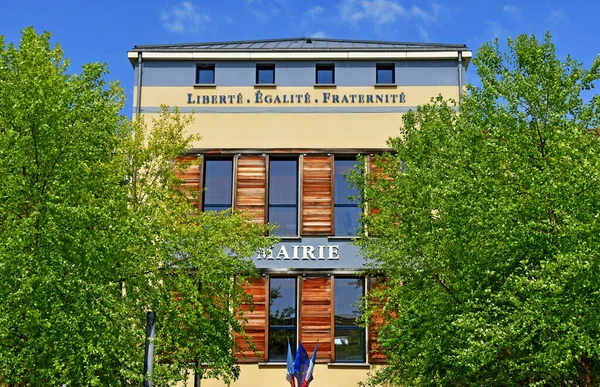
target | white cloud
[
  {"x": 424, "y": 34},
  {"x": 315, "y": 10},
  {"x": 318, "y": 34},
  {"x": 265, "y": 10},
  {"x": 383, "y": 11},
  {"x": 512, "y": 10},
  {"x": 495, "y": 30},
  {"x": 185, "y": 17},
  {"x": 557, "y": 16}
]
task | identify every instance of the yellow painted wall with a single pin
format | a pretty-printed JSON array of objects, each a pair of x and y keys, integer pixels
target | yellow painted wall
[
  {"x": 260, "y": 129},
  {"x": 253, "y": 375},
  {"x": 299, "y": 130}
]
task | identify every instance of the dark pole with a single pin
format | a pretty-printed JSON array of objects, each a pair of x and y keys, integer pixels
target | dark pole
[{"x": 149, "y": 354}]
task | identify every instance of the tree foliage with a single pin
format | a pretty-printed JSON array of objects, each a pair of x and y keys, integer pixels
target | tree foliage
[
  {"x": 486, "y": 224},
  {"x": 97, "y": 229}
]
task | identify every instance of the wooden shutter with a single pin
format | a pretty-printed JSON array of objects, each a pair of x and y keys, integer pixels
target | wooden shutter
[
  {"x": 376, "y": 355},
  {"x": 250, "y": 185},
  {"x": 316, "y": 317},
  {"x": 256, "y": 314},
  {"x": 317, "y": 195},
  {"x": 192, "y": 178}
]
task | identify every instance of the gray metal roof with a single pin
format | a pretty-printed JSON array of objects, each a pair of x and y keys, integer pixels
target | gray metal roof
[{"x": 301, "y": 44}]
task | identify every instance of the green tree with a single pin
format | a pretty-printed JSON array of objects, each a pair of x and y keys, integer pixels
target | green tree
[
  {"x": 486, "y": 224},
  {"x": 96, "y": 229}
]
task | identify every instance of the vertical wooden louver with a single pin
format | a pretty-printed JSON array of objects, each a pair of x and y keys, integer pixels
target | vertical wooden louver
[
  {"x": 192, "y": 178},
  {"x": 376, "y": 355},
  {"x": 317, "y": 195},
  {"x": 315, "y": 316},
  {"x": 256, "y": 314},
  {"x": 250, "y": 186}
]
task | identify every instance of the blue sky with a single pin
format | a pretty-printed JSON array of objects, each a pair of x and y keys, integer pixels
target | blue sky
[{"x": 103, "y": 31}]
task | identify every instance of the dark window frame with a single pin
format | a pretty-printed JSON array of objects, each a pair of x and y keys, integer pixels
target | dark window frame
[
  {"x": 325, "y": 67},
  {"x": 265, "y": 67},
  {"x": 296, "y": 205},
  {"x": 205, "y": 67},
  {"x": 290, "y": 328},
  {"x": 385, "y": 66},
  {"x": 336, "y": 204},
  {"x": 354, "y": 327},
  {"x": 205, "y": 163}
]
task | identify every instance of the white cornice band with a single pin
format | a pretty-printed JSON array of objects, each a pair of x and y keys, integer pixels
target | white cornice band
[{"x": 320, "y": 55}]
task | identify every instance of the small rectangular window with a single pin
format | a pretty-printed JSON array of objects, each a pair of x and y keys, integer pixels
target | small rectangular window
[
  {"x": 349, "y": 339},
  {"x": 325, "y": 74},
  {"x": 205, "y": 74},
  {"x": 218, "y": 179},
  {"x": 386, "y": 73},
  {"x": 283, "y": 196},
  {"x": 282, "y": 317},
  {"x": 345, "y": 199},
  {"x": 265, "y": 74}
]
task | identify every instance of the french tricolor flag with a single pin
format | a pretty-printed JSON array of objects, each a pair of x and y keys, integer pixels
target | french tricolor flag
[{"x": 290, "y": 368}]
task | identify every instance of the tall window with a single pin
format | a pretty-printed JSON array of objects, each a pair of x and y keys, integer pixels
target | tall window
[
  {"x": 217, "y": 184},
  {"x": 325, "y": 74},
  {"x": 283, "y": 196},
  {"x": 265, "y": 74},
  {"x": 349, "y": 339},
  {"x": 205, "y": 74},
  {"x": 385, "y": 73},
  {"x": 282, "y": 317},
  {"x": 346, "y": 210}
]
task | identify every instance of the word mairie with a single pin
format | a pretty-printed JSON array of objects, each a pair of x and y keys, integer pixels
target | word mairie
[{"x": 301, "y": 252}]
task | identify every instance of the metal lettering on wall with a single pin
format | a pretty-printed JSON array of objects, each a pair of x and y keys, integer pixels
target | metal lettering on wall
[
  {"x": 260, "y": 98},
  {"x": 310, "y": 253}
]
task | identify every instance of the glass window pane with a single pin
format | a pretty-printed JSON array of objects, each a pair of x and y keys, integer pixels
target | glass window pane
[
  {"x": 265, "y": 74},
  {"x": 283, "y": 182},
  {"x": 278, "y": 339},
  {"x": 349, "y": 337},
  {"x": 325, "y": 75},
  {"x": 282, "y": 317},
  {"x": 342, "y": 189},
  {"x": 218, "y": 183},
  {"x": 349, "y": 345},
  {"x": 282, "y": 301},
  {"x": 385, "y": 74},
  {"x": 348, "y": 292},
  {"x": 286, "y": 218},
  {"x": 346, "y": 220},
  {"x": 206, "y": 76}
]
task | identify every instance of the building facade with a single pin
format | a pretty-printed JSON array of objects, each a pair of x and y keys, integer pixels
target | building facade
[{"x": 282, "y": 122}]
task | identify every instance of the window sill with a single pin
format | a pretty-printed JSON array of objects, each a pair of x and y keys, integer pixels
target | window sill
[
  {"x": 265, "y": 86},
  {"x": 343, "y": 237},
  {"x": 325, "y": 86},
  {"x": 272, "y": 365},
  {"x": 283, "y": 238},
  {"x": 386, "y": 86},
  {"x": 349, "y": 365},
  {"x": 205, "y": 85}
]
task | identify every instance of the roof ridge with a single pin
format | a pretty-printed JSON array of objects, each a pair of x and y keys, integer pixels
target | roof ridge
[{"x": 304, "y": 40}]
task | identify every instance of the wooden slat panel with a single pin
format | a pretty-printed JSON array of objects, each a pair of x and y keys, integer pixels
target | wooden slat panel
[
  {"x": 315, "y": 317},
  {"x": 191, "y": 177},
  {"x": 251, "y": 186},
  {"x": 317, "y": 196},
  {"x": 256, "y": 314},
  {"x": 376, "y": 355}
]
